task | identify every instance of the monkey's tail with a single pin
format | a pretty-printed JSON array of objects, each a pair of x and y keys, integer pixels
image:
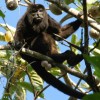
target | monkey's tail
[{"x": 50, "y": 79}]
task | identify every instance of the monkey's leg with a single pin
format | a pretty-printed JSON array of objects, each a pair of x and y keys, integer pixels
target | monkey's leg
[{"x": 71, "y": 57}]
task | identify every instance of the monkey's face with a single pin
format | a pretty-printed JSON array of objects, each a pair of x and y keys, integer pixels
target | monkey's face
[{"x": 36, "y": 13}]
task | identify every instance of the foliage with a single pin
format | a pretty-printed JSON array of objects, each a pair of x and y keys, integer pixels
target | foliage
[
  {"x": 94, "y": 96},
  {"x": 15, "y": 69},
  {"x": 95, "y": 61},
  {"x": 2, "y": 14}
]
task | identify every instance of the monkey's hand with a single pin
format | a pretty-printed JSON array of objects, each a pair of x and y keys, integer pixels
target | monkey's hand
[{"x": 16, "y": 45}]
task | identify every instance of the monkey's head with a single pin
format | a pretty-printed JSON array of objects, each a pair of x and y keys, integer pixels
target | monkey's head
[{"x": 36, "y": 13}]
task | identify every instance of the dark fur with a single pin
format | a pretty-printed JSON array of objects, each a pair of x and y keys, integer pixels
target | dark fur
[{"x": 38, "y": 36}]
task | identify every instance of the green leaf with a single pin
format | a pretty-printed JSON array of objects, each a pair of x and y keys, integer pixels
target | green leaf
[
  {"x": 68, "y": 1},
  {"x": 55, "y": 10},
  {"x": 30, "y": 88},
  {"x": 5, "y": 96},
  {"x": 2, "y": 14},
  {"x": 26, "y": 85},
  {"x": 74, "y": 39},
  {"x": 2, "y": 38},
  {"x": 96, "y": 51},
  {"x": 91, "y": 1},
  {"x": 95, "y": 96},
  {"x": 84, "y": 85},
  {"x": 3, "y": 54},
  {"x": 95, "y": 61},
  {"x": 20, "y": 93},
  {"x": 35, "y": 79},
  {"x": 55, "y": 71}
]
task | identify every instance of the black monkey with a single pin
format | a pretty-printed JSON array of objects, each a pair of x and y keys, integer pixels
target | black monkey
[{"x": 35, "y": 29}]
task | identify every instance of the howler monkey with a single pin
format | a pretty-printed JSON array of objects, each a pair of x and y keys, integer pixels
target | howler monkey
[{"x": 35, "y": 29}]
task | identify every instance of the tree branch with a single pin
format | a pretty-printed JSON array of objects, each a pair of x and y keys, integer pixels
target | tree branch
[
  {"x": 50, "y": 60},
  {"x": 76, "y": 14},
  {"x": 91, "y": 82},
  {"x": 43, "y": 57}
]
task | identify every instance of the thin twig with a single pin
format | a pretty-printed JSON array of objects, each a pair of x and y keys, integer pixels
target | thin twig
[
  {"x": 79, "y": 80},
  {"x": 34, "y": 1},
  {"x": 20, "y": 49},
  {"x": 95, "y": 46},
  {"x": 22, "y": 4},
  {"x": 75, "y": 46},
  {"x": 28, "y": 2}
]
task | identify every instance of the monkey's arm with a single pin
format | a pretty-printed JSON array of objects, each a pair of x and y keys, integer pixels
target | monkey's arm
[
  {"x": 54, "y": 26},
  {"x": 19, "y": 37},
  {"x": 67, "y": 30},
  {"x": 21, "y": 29},
  {"x": 70, "y": 56},
  {"x": 64, "y": 31}
]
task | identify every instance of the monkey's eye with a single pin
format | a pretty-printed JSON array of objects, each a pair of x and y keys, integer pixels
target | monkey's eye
[
  {"x": 34, "y": 10},
  {"x": 40, "y": 10}
]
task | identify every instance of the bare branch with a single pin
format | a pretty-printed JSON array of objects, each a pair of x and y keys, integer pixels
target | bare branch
[
  {"x": 75, "y": 46},
  {"x": 91, "y": 82},
  {"x": 76, "y": 14},
  {"x": 28, "y": 2},
  {"x": 43, "y": 57},
  {"x": 50, "y": 60},
  {"x": 22, "y": 4}
]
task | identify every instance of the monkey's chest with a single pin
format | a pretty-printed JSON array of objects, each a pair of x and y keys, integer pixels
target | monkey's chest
[{"x": 44, "y": 44}]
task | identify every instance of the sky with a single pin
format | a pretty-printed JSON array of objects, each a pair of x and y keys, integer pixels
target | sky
[{"x": 12, "y": 18}]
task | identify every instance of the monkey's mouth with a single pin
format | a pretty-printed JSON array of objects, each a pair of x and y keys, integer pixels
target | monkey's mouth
[{"x": 37, "y": 19}]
